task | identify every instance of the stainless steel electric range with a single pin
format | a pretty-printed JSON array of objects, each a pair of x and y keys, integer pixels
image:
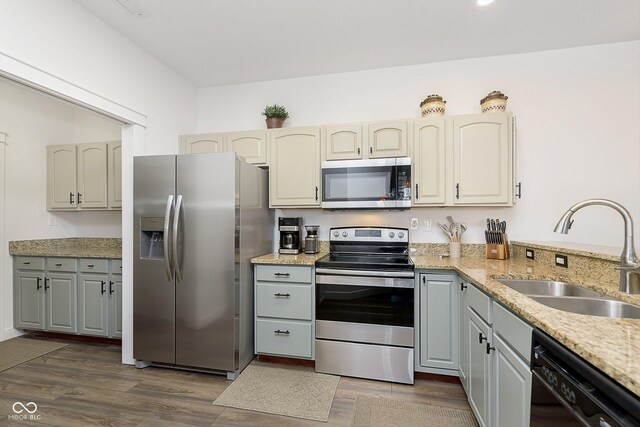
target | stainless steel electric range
[{"x": 365, "y": 305}]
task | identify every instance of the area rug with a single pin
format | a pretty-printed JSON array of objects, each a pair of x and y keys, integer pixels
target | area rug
[
  {"x": 288, "y": 392},
  {"x": 383, "y": 412},
  {"x": 15, "y": 351}
]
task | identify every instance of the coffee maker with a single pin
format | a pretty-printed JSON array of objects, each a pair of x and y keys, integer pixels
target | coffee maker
[
  {"x": 290, "y": 235},
  {"x": 311, "y": 241}
]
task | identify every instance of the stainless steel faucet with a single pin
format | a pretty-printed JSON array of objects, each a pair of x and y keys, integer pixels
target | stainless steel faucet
[{"x": 629, "y": 265}]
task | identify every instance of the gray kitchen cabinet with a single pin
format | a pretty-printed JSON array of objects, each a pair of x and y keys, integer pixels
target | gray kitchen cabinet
[
  {"x": 511, "y": 388},
  {"x": 479, "y": 375},
  {"x": 28, "y": 311},
  {"x": 50, "y": 294},
  {"x": 284, "y": 311},
  {"x": 463, "y": 339},
  {"x": 61, "y": 301},
  {"x": 438, "y": 327}
]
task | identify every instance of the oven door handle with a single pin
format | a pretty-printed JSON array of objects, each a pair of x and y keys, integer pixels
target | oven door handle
[
  {"x": 381, "y": 282},
  {"x": 365, "y": 273}
]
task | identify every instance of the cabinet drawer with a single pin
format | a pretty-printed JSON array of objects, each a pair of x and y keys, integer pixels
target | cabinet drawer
[
  {"x": 296, "y": 343},
  {"x": 88, "y": 265},
  {"x": 289, "y": 301},
  {"x": 480, "y": 303},
  {"x": 62, "y": 264},
  {"x": 513, "y": 330},
  {"x": 283, "y": 273},
  {"x": 29, "y": 263},
  {"x": 116, "y": 266}
]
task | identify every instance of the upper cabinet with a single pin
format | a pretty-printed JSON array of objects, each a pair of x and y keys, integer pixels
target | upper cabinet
[
  {"x": 342, "y": 142},
  {"x": 251, "y": 145},
  {"x": 294, "y": 173},
  {"x": 205, "y": 143},
  {"x": 429, "y": 162},
  {"x": 387, "y": 139},
  {"x": 482, "y": 159},
  {"x": 84, "y": 176},
  {"x": 464, "y": 160}
]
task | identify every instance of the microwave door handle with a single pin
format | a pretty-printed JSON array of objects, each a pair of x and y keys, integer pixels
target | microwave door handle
[
  {"x": 176, "y": 224},
  {"x": 167, "y": 224}
]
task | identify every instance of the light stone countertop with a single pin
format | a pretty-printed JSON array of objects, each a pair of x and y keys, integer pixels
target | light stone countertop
[
  {"x": 612, "y": 345},
  {"x": 74, "y": 247}
]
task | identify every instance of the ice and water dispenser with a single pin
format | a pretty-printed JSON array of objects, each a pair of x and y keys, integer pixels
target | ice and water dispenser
[{"x": 152, "y": 237}]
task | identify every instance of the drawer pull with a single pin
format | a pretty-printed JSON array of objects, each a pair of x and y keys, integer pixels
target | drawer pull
[
  {"x": 58, "y": 265},
  {"x": 38, "y": 286},
  {"x": 281, "y": 274},
  {"x": 481, "y": 338},
  {"x": 90, "y": 265},
  {"x": 279, "y": 332},
  {"x": 45, "y": 284},
  {"x": 462, "y": 286},
  {"x": 281, "y": 295},
  {"x": 102, "y": 283},
  {"x": 110, "y": 287},
  {"x": 27, "y": 262}
]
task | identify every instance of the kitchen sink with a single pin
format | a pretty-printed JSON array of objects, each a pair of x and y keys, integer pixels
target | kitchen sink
[
  {"x": 549, "y": 288},
  {"x": 590, "y": 306}
]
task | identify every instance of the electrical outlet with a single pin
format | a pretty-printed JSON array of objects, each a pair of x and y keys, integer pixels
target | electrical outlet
[
  {"x": 562, "y": 261},
  {"x": 414, "y": 223},
  {"x": 529, "y": 253},
  {"x": 426, "y": 224}
]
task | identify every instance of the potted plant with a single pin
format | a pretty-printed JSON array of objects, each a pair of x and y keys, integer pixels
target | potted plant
[{"x": 276, "y": 115}]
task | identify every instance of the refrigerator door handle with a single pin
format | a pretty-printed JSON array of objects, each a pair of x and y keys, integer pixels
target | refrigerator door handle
[
  {"x": 176, "y": 224},
  {"x": 167, "y": 224}
]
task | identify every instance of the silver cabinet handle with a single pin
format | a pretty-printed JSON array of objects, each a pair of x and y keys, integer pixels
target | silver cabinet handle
[
  {"x": 176, "y": 223},
  {"x": 167, "y": 223},
  {"x": 278, "y": 295},
  {"x": 60, "y": 265},
  {"x": 279, "y": 332}
]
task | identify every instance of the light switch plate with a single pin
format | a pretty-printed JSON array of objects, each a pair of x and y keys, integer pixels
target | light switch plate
[
  {"x": 414, "y": 223},
  {"x": 427, "y": 224}
]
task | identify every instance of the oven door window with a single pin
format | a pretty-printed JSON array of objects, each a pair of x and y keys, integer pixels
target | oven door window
[
  {"x": 365, "y": 304},
  {"x": 359, "y": 184}
]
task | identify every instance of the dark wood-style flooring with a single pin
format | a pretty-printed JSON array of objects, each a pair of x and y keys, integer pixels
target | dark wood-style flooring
[{"x": 85, "y": 384}]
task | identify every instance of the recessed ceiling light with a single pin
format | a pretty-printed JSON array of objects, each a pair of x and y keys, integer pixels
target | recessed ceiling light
[{"x": 483, "y": 3}]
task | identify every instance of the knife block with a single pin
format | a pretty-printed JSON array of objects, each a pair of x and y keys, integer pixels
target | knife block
[{"x": 498, "y": 250}]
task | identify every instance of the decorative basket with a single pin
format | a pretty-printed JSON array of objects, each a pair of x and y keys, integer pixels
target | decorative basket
[
  {"x": 494, "y": 102},
  {"x": 433, "y": 105}
]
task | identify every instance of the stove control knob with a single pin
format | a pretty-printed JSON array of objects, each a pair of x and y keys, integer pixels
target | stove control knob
[
  {"x": 344, "y": 234},
  {"x": 401, "y": 234},
  {"x": 392, "y": 234},
  {"x": 336, "y": 234}
]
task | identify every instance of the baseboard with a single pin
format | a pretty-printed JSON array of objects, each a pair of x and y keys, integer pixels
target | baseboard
[
  {"x": 286, "y": 360},
  {"x": 437, "y": 377},
  {"x": 9, "y": 333},
  {"x": 77, "y": 338}
]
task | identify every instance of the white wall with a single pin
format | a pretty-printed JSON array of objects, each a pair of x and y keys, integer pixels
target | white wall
[{"x": 578, "y": 131}]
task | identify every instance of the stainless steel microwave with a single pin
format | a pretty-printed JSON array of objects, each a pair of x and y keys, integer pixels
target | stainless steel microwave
[{"x": 367, "y": 184}]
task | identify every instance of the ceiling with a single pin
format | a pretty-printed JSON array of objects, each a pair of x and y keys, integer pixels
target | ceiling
[{"x": 222, "y": 42}]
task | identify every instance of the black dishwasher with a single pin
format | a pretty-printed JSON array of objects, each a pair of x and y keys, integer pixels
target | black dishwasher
[{"x": 567, "y": 391}]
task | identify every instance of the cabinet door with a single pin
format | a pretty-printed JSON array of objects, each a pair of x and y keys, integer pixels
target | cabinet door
[
  {"x": 252, "y": 146},
  {"x": 429, "y": 161},
  {"x": 62, "y": 302},
  {"x": 61, "y": 176},
  {"x": 205, "y": 143},
  {"x": 342, "y": 142},
  {"x": 479, "y": 368},
  {"x": 92, "y": 175},
  {"x": 93, "y": 304},
  {"x": 28, "y": 297},
  {"x": 464, "y": 335},
  {"x": 438, "y": 321},
  {"x": 294, "y": 173},
  {"x": 512, "y": 387},
  {"x": 482, "y": 162},
  {"x": 388, "y": 139},
  {"x": 115, "y": 306},
  {"x": 114, "y": 174}
]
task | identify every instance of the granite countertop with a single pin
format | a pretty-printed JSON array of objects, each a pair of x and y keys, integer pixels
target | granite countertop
[
  {"x": 300, "y": 259},
  {"x": 612, "y": 345},
  {"x": 74, "y": 247}
]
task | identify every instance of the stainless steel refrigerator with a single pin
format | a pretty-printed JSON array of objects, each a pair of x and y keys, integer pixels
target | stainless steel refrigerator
[{"x": 198, "y": 221}]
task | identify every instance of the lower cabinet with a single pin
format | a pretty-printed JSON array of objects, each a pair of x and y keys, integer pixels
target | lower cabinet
[
  {"x": 437, "y": 336},
  {"x": 463, "y": 338},
  {"x": 512, "y": 386},
  {"x": 284, "y": 308},
  {"x": 49, "y": 294},
  {"x": 479, "y": 374}
]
